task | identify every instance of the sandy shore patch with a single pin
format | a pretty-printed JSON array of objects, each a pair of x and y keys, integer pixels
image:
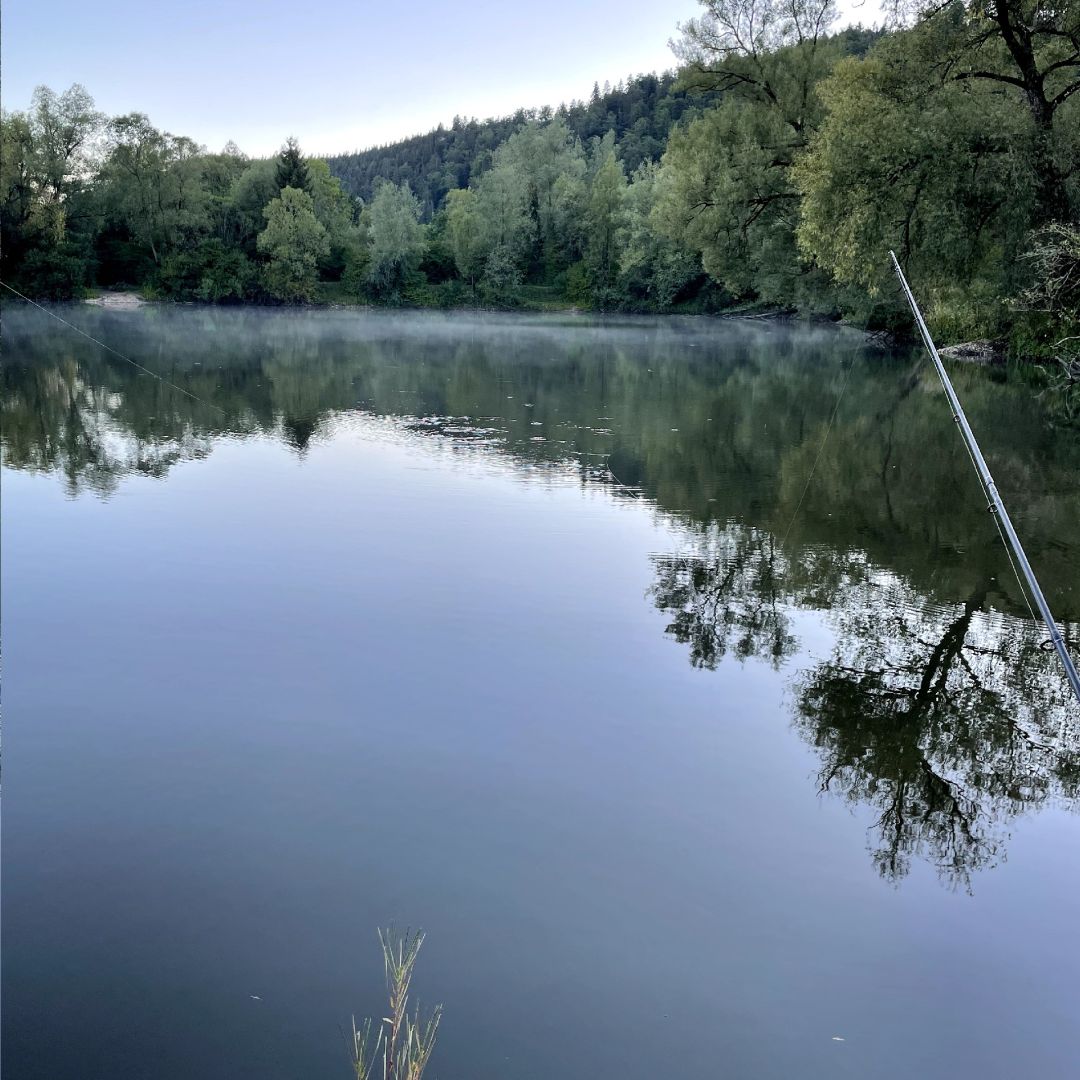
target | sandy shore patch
[{"x": 117, "y": 300}]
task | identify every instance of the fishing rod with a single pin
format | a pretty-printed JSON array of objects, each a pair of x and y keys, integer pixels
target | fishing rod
[{"x": 996, "y": 506}]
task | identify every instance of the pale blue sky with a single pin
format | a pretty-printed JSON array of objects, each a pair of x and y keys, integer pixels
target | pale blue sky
[{"x": 338, "y": 75}]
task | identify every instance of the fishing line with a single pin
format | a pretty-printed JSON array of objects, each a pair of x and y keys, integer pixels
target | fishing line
[
  {"x": 629, "y": 491},
  {"x": 991, "y": 508},
  {"x": 109, "y": 348},
  {"x": 990, "y": 489},
  {"x": 821, "y": 450},
  {"x": 1001, "y": 533}
]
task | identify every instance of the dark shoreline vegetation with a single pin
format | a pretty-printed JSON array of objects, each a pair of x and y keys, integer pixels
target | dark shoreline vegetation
[{"x": 773, "y": 171}]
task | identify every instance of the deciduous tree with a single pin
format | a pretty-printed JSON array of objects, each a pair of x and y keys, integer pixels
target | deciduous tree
[
  {"x": 1029, "y": 48},
  {"x": 294, "y": 240},
  {"x": 395, "y": 237}
]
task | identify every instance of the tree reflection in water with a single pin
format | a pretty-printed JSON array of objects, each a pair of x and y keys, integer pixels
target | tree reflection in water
[
  {"x": 948, "y": 719},
  {"x": 726, "y": 600},
  {"x": 935, "y": 706}
]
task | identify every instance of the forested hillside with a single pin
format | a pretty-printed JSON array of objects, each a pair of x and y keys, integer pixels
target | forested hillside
[
  {"x": 776, "y": 169},
  {"x": 642, "y": 111}
]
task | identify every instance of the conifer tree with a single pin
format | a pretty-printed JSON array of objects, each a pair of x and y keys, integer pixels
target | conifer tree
[{"x": 292, "y": 170}]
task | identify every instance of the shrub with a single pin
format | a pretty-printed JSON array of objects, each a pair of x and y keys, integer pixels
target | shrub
[{"x": 211, "y": 273}]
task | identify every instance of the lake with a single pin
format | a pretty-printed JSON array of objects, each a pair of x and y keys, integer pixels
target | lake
[{"x": 670, "y": 673}]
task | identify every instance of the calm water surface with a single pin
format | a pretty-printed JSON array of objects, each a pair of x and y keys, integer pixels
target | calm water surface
[{"x": 530, "y": 631}]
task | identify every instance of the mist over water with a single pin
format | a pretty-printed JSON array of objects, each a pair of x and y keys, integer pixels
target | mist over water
[{"x": 695, "y": 730}]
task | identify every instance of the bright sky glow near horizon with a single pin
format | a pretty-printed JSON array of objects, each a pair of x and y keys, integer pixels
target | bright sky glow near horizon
[{"x": 339, "y": 76}]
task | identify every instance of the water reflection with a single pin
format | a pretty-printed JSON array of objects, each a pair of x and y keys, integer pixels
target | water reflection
[
  {"x": 727, "y": 600},
  {"x": 935, "y": 705},
  {"x": 950, "y": 720}
]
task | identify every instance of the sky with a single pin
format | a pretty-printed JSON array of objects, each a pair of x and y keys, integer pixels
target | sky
[{"x": 338, "y": 75}]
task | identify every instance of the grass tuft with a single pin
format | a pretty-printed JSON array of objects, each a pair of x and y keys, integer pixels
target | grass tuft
[{"x": 402, "y": 1043}]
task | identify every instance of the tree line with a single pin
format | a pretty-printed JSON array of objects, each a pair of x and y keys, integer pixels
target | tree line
[
  {"x": 641, "y": 110},
  {"x": 776, "y": 169}
]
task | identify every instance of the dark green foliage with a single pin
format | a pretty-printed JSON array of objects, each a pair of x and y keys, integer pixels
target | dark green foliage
[
  {"x": 121, "y": 260},
  {"x": 211, "y": 273},
  {"x": 934, "y": 145},
  {"x": 250, "y": 194},
  {"x": 292, "y": 170},
  {"x": 56, "y": 273},
  {"x": 451, "y": 293},
  {"x": 46, "y": 210},
  {"x": 577, "y": 285},
  {"x": 437, "y": 264}
]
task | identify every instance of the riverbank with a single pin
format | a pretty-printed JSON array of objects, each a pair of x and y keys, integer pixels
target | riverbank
[
  {"x": 333, "y": 298},
  {"x": 116, "y": 300}
]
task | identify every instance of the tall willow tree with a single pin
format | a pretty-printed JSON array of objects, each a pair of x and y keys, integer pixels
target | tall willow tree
[
  {"x": 464, "y": 233},
  {"x": 546, "y": 158},
  {"x": 933, "y": 175},
  {"x": 507, "y": 229},
  {"x": 154, "y": 185},
  {"x": 47, "y": 159},
  {"x": 396, "y": 238},
  {"x": 1030, "y": 50},
  {"x": 732, "y": 196},
  {"x": 949, "y": 142},
  {"x": 606, "y": 220},
  {"x": 653, "y": 268}
]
